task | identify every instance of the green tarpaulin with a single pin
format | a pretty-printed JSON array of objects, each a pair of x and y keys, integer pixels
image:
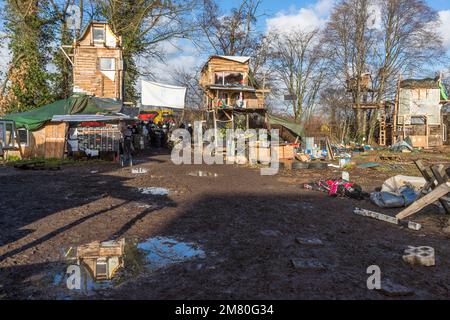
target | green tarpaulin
[
  {"x": 36, "y": 118},
  {"x": 444, "y": 95},
  {"x": 291, "y": 125}
]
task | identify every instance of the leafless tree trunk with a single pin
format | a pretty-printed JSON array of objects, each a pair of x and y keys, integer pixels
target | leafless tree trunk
[
  {"x": 231, "y": 34},
  {"x": 299, "y": 67},
  {"x": 407, "y": 41}
]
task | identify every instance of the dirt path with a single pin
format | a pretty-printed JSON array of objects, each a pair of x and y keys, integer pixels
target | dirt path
[{"x": 247, "y": 225}]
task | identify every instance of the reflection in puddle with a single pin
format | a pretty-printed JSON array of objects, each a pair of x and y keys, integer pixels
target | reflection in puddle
[
  {"x": 161, "y": 252},
  {"x": 104, "y": 265},
  {"x": 154, "y": 191},
  {"x": 203, "y": 174}
]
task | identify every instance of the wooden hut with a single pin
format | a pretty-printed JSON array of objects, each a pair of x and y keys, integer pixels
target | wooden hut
[
  {"x": 420, "y": 112},
  {"x": 102, "y": 259},
  {"x": 229, "y": 90},
  {"x": 97, "y": 60}
]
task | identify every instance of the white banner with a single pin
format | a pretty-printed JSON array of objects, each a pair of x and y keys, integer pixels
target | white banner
[{"x": 162, "y": 95}]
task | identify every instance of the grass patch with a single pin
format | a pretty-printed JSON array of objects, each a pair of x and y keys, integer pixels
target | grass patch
[{"x": 52, "y": 162}]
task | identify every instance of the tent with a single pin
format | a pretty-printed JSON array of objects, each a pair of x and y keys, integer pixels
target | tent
[
  {"x": 290, "y": 125},
  {"x": 78, "y": 104},
  {"x": 162, "y": 95}
]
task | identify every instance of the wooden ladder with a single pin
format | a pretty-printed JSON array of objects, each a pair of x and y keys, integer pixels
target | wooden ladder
[{"x": 382, "y": 141}]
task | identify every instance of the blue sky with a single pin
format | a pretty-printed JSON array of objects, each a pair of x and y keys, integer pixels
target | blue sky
[
  {"x": 276, "y": 14},
  {"x": 282, "y": 15}
]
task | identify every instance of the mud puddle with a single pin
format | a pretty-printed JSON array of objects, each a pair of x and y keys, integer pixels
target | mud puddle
[{"x": 98, "y": 266}]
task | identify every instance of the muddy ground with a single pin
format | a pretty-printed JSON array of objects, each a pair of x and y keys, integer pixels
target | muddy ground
[{"x": 247, "y": 225}]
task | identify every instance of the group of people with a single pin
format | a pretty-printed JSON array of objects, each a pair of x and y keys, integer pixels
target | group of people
[{"x": 144, "y": 135}]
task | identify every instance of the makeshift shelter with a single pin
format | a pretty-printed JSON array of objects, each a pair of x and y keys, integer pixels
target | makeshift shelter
[
  {"x": 419, "y": 111},
  {"x": 97, "y": 60},
  {"x": 42, "y": 132},
  {"x": 295, "y": 128},
  {"x": 229, "y": 89}
]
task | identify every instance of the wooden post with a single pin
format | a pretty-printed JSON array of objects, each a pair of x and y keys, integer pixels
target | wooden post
[
  {"x": 404, "y": 128},
  {"x": 395, "y": 115},
  {"x": 215, "y": 127}
]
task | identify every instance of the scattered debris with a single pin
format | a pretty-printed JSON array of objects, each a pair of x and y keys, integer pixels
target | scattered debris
[
  {"x": 345, "y": 176},
  {"x": 391, "y": 289},
  {"x": 308, "y": 264},
  {"x": 303, "y": 157},
  {"x": 404, "y": 197},
  {"x": 139, "y": 171},
  {"x": 300, "y": 165},
  {"x": 383, "y": 217},
  {"x": 430, "y": 198},
  {"x": 395, "y": 183},
  {"x": 338, "y": 188},
  {"x": 203, "y": 174},
  {"x": 423, "y": 256},
  {"x": 318, "y": 165},
  {"x": 400, "y": 146},
  {"x": 368, "y": 165},
  {"x": 154, "y": 191},
  {"x": 144, "y": 206},
  {"x": 391, "y": 158}
]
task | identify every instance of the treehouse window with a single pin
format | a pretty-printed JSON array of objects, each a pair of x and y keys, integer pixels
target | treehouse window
[
  {"x": 24, "y": 137},
  {"x": 229, "y": 78},
  {"x": 99, "y": 34},
  {"x": 107, "y": 64},
  {"x": 6, "y": 134}
]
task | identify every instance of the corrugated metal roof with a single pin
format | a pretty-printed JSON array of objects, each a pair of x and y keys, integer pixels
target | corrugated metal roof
[
  {"x": 236, "y": 58},
  {"x": 232, "y": 88},
  {"x": 427, "y": 83},
  {"x": 88, "y": 118}
]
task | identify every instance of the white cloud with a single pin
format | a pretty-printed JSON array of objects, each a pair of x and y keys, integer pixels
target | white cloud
[
  {"x": 307, "y": 19},
  {"x": 444, "y": 28}
]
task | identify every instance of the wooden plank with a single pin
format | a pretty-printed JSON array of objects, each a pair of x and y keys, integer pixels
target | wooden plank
[
  {"x": 383, "y": 217},
  {"x": 441, "y": 177},
  {"x": 430, "y": 198},
  {"x": 423, "y": 170}
]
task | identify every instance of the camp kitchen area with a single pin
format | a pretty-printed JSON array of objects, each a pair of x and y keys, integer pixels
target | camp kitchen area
[{"x": 89, "y": 182}]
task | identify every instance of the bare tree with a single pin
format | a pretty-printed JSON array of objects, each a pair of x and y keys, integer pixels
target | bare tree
[
  {"x": 231, "y": 34},
  {"x": 407, "y": 43},
  {"x": 298, "y": 65},
  {"x": 144, "y": 25},
  {"x": 190, "y": 79},
  {"x": 335, "y": 103},
  {"x": 385, "y": 38},
  {"x": 349, "y": 38}
]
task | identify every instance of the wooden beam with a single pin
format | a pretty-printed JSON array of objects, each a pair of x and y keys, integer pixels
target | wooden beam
[
  {"x": 65, "y": 54},
  {"x": 430, "y": 198},
  {"x": 383, "y": 217},
  {"x": 441, "y": 177}
]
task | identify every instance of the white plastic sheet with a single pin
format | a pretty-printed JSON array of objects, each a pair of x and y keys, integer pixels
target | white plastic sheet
[{"x": 162, "y": 95}]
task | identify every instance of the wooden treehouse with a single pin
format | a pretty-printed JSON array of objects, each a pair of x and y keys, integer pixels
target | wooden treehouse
[
  {"x": 420, "y": 112},
  {"x": 232, "y": 99},
  {"x": 97, "y": 60},
  {"x": 102, "y": 259}
]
